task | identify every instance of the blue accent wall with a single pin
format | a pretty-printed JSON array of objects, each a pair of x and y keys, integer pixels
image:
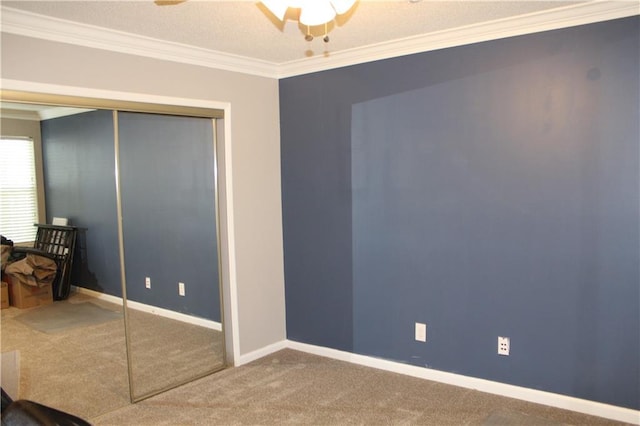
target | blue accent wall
[
  {"x": 486, "y": 190},
  {"x": 79, "y": 164}
]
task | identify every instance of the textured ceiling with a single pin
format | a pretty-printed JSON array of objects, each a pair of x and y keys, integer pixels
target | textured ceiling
[{"x": 246, "y": 29}]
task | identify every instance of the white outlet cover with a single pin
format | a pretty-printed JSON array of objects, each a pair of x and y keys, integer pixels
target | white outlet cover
[
  {"x": 421, "y": 332},
  {"x": 504, "y": 345}
]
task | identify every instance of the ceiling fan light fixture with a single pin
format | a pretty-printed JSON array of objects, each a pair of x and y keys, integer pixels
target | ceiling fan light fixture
[
  {"x": 312, "y": 12},
  {"x": 317, "y": 12},
  {"x": 277, "y": 7}
]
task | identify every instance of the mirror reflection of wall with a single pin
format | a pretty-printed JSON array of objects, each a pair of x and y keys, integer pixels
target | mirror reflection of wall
[
  {"x": 71, "y": 350},
  {"x": 79, "y": 161},
  {"x": 169, "y": 234},
  {"x": 167, "y": 174}
]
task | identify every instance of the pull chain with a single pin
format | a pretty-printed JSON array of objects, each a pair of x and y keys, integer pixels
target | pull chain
[{"x": 309, "y": 36}]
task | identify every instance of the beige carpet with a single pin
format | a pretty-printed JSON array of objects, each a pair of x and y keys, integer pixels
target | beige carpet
[
  {"x": 294, "y": 388},
  {"x": 166, "y": 352},
  {"x": 83, "y": 369}
]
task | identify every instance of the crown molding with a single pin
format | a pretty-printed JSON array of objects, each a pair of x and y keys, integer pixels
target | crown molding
[
  {"x": 568, "y": 16},
  {"x": 15, "y": 21}
]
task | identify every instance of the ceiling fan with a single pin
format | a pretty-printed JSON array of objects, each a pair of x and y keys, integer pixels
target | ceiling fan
[{"x": 311, "y": 13}]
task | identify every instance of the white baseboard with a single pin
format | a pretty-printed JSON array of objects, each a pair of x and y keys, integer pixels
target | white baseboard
[
  {"x": 166, "y": 313},
  {"x": 97, "y": 295},
  {"x": 526, "y": 394},
  {"x": 262, "y": 352}
]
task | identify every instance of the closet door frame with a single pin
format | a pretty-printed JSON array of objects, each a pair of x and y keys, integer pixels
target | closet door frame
[{"x": 78, "y": 97}]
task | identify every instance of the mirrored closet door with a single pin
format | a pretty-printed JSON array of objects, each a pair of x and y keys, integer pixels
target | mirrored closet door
[
  {"x": 168, "y": 199},
  {"x": 150, "y": 236}
]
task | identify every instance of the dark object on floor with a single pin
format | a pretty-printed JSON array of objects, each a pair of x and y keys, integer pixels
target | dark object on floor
[
  {"x": 5, "y": 254},
  {"x": 28, "y": 413},
  {"x": 6, "y": 401},
  {"x": 57, "y": 243}
]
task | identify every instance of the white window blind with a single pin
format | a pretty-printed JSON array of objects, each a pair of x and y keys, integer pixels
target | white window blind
[{"x": 18, "y": 191}]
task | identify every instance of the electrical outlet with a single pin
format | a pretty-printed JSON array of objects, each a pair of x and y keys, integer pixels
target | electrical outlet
[
  {"x": 421, "y": 332},
  {"x": 147, "y": 282},
  {"x": 503, "y": 345},
  {"x": 181, "y": 289}
]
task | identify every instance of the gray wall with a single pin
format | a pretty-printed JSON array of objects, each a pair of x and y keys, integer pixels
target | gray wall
[
  {"x": 253, "y": 197},
  {"x": 486, "y": 190}
]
